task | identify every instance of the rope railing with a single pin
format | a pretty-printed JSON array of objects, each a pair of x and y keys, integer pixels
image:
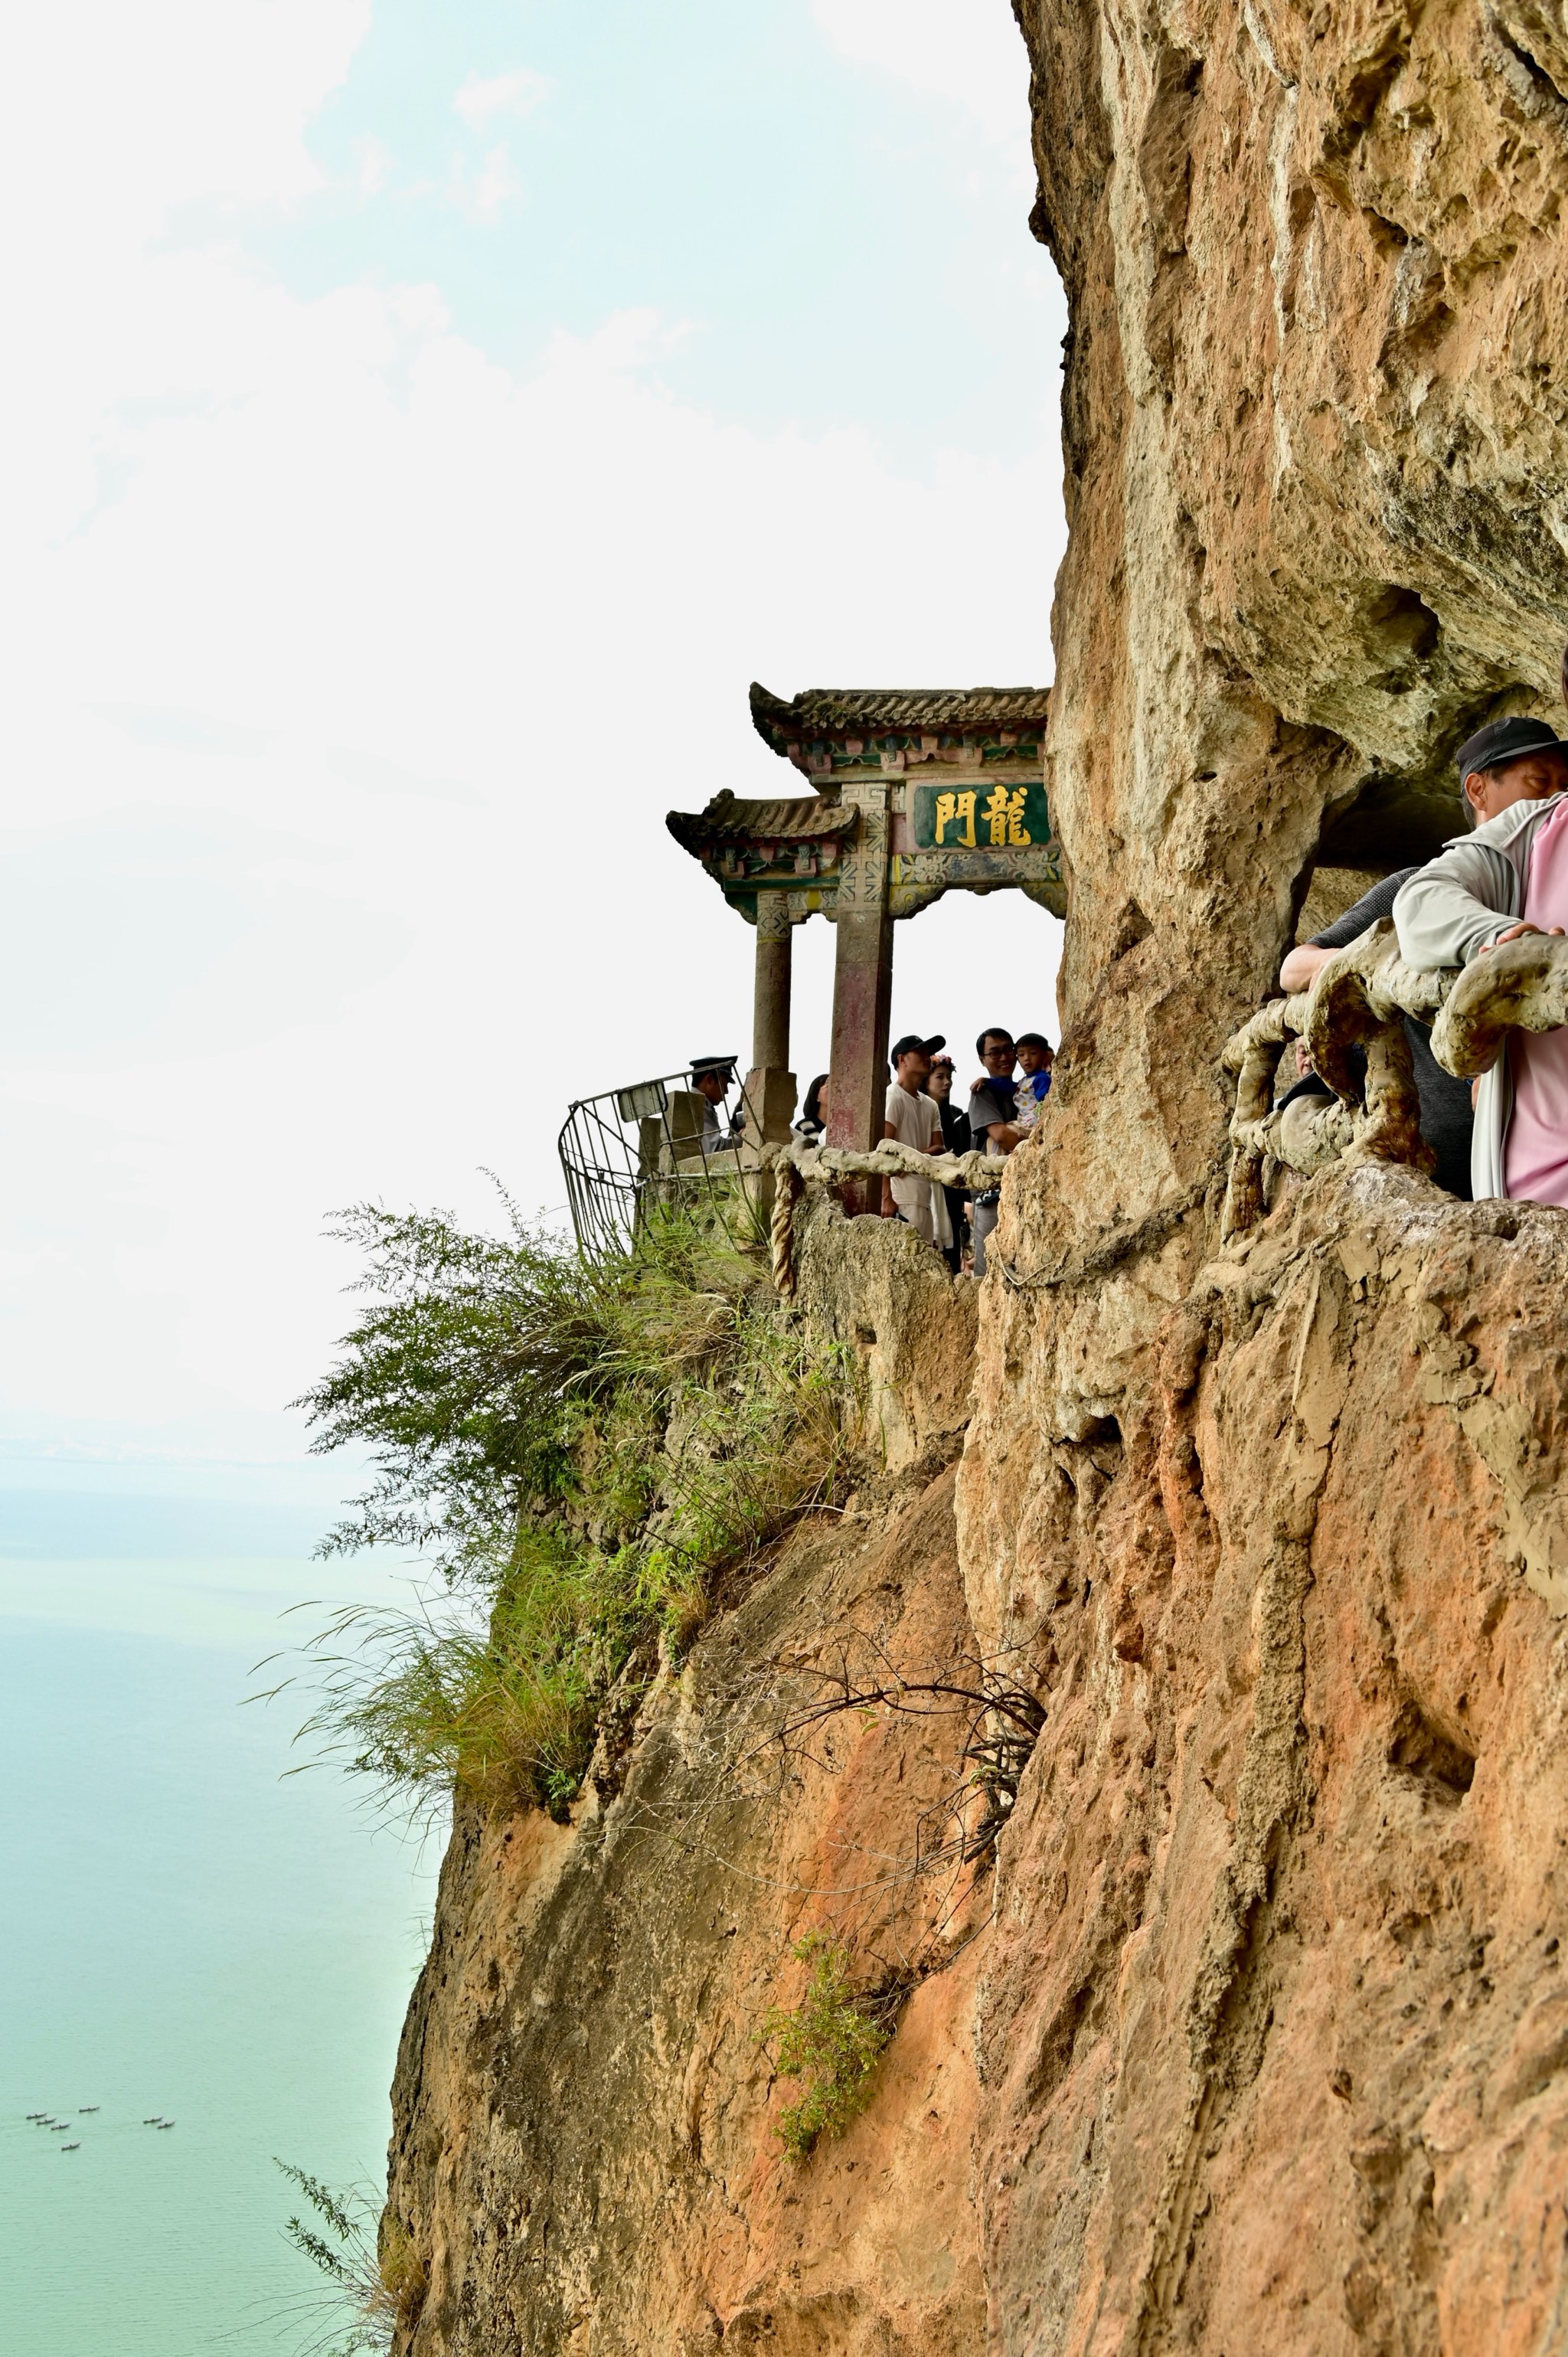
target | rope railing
[
  {"x": 1359, "y": 1000},
  {"x": 797, "y": 1166}
]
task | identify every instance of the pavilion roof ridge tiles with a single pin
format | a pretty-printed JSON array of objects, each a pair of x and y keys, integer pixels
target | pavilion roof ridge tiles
[
  {"x": 728, "y": 819},
  {"x": 847, "y": 711}
]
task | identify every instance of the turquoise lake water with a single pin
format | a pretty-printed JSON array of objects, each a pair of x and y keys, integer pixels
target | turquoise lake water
[{"x": 187, "y": 1933}]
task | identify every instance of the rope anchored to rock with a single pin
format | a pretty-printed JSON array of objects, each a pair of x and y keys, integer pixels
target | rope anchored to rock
[
  {"x": 797, "y": 1166},
  {"x": 1360, "y": 1000}
]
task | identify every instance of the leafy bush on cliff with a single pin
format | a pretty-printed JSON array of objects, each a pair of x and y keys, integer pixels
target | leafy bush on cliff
[
  {"x": 580, "y": 1450},
  {"x": 478, "y": 1371},
  {"x": 830, "y": 2042}
]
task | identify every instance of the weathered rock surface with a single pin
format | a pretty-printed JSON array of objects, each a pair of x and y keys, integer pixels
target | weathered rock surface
[
  {"x": 1268, "y": 2020},
  {"x": 1273, "y": 2016}
]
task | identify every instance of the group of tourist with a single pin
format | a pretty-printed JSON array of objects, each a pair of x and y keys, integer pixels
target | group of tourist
[
  {"x": 1004, "y": 1103},
  {"x": 1506, "y": 1133}
]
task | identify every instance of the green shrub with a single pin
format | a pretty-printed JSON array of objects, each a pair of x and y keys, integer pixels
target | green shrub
[
  {"x": 580, "y": 1450},
  {"x": 500, "y": 1705},
  {"x": 480, "y": 1372},
  {"x": 830, "y": 2042}
]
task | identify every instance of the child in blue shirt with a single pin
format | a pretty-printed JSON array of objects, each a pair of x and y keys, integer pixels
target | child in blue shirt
[{"x": 1035, "y": 1058}]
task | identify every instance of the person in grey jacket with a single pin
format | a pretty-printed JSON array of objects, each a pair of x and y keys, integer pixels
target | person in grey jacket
[
  {"x": 1447, "y": 1121},
  {"x": 1512, "y": 774}
]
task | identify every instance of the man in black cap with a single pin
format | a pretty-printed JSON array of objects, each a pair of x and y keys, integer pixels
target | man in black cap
[
  {"x": 912, "y": 1118},
  {"x": 1507, "y": 876},
  {"x": 714, "y": 1077}
]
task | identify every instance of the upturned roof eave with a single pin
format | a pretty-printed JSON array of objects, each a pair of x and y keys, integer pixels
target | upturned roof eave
[{"x": 728, "y": 820}]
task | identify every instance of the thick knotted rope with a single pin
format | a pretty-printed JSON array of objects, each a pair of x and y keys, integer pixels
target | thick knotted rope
[
  {"x": 797, "y": 1166},
  {"x": 787, "y": 1184},
  {"x": 1359, "y": 1000}
]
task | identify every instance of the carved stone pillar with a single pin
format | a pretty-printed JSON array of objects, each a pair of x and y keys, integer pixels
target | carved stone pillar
[
  {"x": 770, "y": 1001},
  {"x": 770, "y": 1085},
  {"x": 863, "y": 987}
]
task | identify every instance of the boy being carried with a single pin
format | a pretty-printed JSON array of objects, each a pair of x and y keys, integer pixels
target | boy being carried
[{"x": 1036, "y": 1058}]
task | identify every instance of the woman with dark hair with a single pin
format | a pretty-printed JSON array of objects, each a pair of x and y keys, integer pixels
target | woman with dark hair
[
  {"x": 812, "y": 1126},
  {"x": 957, "y": 1139}
]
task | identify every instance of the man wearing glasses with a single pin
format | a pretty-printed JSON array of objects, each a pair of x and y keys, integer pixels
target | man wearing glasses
[{"x": 994, "y": 1116}]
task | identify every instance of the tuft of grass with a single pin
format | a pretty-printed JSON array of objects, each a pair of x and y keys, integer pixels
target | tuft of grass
[
  {"x": 585, "y": 1450},
  {"x": 830, "y": 2042},
  {"x": 374, "y": 2280},
  {"x": 501, "y": 1707}
]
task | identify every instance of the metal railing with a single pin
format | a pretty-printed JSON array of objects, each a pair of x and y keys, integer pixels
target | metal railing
[{"x": 630, "y": 1151}]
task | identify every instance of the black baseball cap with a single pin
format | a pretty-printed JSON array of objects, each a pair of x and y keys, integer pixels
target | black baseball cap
[
  {"x": 910, "y": 1041},
  {"x": 1506, "y": 740}
]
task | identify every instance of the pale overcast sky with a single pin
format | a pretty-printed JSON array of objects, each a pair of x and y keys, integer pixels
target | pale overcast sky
[{"x": 423, "y": 419}]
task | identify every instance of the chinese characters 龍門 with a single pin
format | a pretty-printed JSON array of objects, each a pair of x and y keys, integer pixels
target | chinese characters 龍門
[{"x": 1002, "y": 815}]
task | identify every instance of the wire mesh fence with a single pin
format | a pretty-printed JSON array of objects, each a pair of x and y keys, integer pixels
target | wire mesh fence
[{"x": 658, "y": 1146}]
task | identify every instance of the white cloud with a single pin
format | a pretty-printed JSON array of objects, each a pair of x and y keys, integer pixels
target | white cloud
[
  {"x": 482, "y": 98},
  {"x": 373, "y": 166},
  {"x": 117, "y": 113},
  {"x": 485, "y": 192},
  {"x": 968, "y": 53},
  {"x": 332, "y": 861}
]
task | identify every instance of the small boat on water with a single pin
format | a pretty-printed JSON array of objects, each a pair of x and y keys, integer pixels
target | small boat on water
[
  {"x": 152, "y": 2124},
  {"x": 164, "y": 2124},
  {"x": 85, "y": 2108},
  {"x": 71, "y": 2147},
  {"x": 58, "y": 2127}
]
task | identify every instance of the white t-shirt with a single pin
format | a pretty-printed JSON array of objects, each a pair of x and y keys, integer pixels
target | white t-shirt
[{"x": 915, "y": 1121}]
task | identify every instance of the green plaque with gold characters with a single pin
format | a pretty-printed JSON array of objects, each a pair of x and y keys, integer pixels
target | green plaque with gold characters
[{"x": 980, "y": 817}]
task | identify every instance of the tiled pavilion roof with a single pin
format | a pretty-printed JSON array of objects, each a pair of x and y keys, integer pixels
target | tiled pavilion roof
[{"x": 869, "y": 712}]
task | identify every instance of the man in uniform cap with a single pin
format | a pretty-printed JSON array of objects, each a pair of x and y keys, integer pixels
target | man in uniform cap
[
  {"x": 712, "y": 1077},
  {"x": 1507, "y": 876}
]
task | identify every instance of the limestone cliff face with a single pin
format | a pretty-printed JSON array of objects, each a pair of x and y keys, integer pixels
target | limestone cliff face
[
  {"x": 1261, "y": 2039},
  {"x": 1316, "y": 472},
  {"x": 1273, "y": 2020},
  {"x": 1268, "y": 2028}
]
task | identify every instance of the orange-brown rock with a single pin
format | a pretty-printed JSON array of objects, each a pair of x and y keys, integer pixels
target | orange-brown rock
[
  {"x": 1278, "y": 1915},
  {"x": 1274, "y": 2012}
]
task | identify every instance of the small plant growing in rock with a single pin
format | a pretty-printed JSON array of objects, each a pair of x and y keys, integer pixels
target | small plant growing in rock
[
  {"x": 374, "y": 2279},
  {"x": 830, "y": 2042}
]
